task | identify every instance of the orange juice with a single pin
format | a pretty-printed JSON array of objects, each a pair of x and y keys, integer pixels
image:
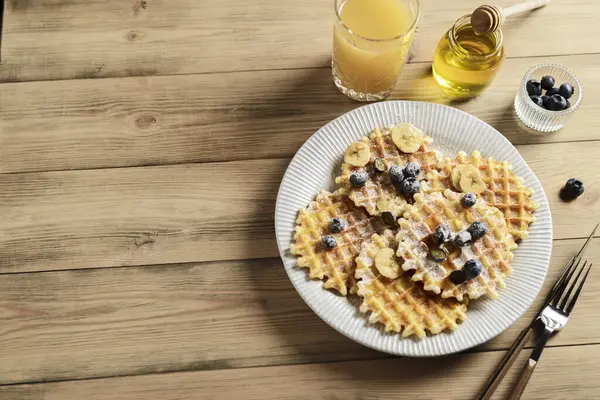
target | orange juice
[{"x": 370, "y": 43}]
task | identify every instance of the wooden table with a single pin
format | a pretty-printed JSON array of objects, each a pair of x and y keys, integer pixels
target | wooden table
[{"x": 141, "y": 148}]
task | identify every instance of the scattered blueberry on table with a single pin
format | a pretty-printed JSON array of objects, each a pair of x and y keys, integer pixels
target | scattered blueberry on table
[
  {"x": 572, "y": 190},
  {"x": 555, "y": 98}
]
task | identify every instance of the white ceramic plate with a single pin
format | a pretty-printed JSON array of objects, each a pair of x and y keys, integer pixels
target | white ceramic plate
[{"x": 313, "y": 168}]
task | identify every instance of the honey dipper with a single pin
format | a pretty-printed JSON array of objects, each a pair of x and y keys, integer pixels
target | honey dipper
[{"x": 487, "y": 19}]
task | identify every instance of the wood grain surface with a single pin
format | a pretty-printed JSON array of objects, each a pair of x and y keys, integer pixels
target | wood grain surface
[
  {"x": 56, "y": 39},
  {"x": 202, "y": 316},
  {"x": 456, "y": 377},
  {"x": 202, "y": 212},
  {"x": 81, "y": 124},
  {"x": 142, "y": 143}
]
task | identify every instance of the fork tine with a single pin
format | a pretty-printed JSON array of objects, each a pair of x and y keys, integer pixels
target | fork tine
[
  {"x": 572, "y": 284},
  {"x": 574, "y": 300},
  {"x": 588, "y": 240},
  {"x": 560, "y": 289}
]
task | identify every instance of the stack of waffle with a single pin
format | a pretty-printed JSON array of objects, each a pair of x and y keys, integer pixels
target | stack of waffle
[{"x": 409, "y": 253}]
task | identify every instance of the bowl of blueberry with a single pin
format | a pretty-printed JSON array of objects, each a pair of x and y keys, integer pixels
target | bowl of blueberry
[{"x": 549, "y": 94}]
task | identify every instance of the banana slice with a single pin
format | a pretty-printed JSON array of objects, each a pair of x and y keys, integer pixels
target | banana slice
[
  {"x": 385, "y": 262},
  {"x": 461, "y": 170},
  {"x": 455, "y": 177},
  {"x": 407, "y": 138},
  {"x": 470, "y": 181},
  {"x": 357, "y": 154}
]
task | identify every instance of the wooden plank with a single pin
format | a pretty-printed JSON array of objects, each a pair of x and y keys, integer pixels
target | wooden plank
[
  {"x": 108, "y": 38},
  {"x": 141, "y": 320},
  {"x": 222, "y": 117},
  {"x": 156, "y": 215},
  {"x": 569, "y": 372}
]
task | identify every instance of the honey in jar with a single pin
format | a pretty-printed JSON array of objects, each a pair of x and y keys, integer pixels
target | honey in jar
[{"x": 464, "y": 63}]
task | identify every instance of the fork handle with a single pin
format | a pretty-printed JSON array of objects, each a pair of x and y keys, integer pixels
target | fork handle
[
  {"x": 531, "y": 364},
  {"x": 505, "y": 364}
]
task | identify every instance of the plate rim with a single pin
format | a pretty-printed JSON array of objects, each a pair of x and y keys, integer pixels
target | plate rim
[{"x": 358, "y": 338}]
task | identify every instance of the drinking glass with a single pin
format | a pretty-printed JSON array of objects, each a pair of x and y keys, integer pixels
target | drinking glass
[{"x": 371, "y": 41}]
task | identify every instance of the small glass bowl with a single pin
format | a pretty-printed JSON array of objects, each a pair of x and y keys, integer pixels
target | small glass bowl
[{"x": 538, "y": 118}]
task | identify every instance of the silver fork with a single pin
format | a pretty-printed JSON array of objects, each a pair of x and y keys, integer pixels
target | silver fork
[
  {"x": 511, "y": 355},
  {"x": 555, "y": 316}
]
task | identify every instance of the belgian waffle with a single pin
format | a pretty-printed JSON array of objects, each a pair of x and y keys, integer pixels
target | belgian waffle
[
  {"x": 505, "y": 191},
  {"x": 335, "y": 266},
  {"x": 401, "y": 305},
  {"x": 378, "y": 194},
  {"x": 494, "y": 250}
]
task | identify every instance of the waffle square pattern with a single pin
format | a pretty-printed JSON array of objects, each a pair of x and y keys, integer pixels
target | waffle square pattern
[
  {"x": 493, "y": 250},
  {"x": 400, "y": 305},
  {"x": 335, "y": 266}
]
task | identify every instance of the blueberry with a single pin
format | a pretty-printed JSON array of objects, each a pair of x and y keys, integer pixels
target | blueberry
[
  {"x": 552, "y": 92},
  {"x": 472, "y": 269},
  {"x": 379, "y": 165},
  {"x": 568, "y": 104},
  {"x": 477, "y": 230},
  {"x": 410, "y": 186},
  {"x": 557, "y": 103},
  {"x": 396, "y": 175},
  {"x": 566, "y": 90},
  {"x": 545, "y": 101},
  {"x": 457, "y": 276},
  {"x": 337, "y": 225},
  {"x": 438, "y": 255},
  {"x": 572, "y": 189},
  {"x": 469, "y": 200},
  {"x": 537, "y": 100},
  {"x": 328, "y": 242},
  {"x": 359, "y": 178},
  {"x": 462, "y": 239},
  {"x": 441, "y": 234},
  {"x": 412, "y": 170},
  {"x": 388, "y": 218},
  {"x": 548, "y": 82},
  {"x": 534, "y": 88}
]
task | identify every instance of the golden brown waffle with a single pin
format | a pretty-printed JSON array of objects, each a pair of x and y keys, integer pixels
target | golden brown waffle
[
  {"x": 438, "y": 179},
  {"x": 335, "y": 266},
  {"x": 378, "y": 187},
  {"x": 505, "y": 190},
  {"x": 494, "y": 250},
  {"x": 401, "y": 305}
]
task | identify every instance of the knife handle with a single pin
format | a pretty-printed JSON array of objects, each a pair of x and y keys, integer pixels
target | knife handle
[
  {"x": 532, "y": 362},
  {"x": 508, "y": 360}
]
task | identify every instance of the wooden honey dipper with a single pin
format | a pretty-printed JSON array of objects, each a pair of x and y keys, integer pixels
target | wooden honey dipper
[{"x": 487, "y": 19}]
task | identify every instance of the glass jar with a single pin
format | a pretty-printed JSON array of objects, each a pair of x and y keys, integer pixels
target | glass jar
[{"x": 464, "y": 63}]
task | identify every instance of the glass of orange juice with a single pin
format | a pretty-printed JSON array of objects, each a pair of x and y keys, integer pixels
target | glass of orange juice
[{"x": 371, "y": 40}]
